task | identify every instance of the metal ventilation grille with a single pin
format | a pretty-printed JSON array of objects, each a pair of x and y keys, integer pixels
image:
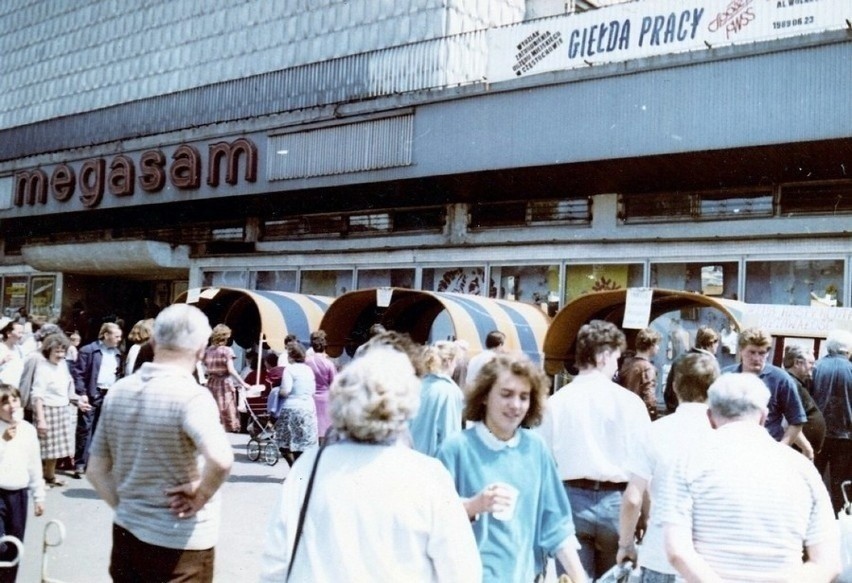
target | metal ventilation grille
[
  {"x": 537, "y": 212},
  {"x": 688, "y": 206},
  {"x": 384, "y": 222},
  {"x": 371, "y": 145},
  {"x": 816, "y": 198}
]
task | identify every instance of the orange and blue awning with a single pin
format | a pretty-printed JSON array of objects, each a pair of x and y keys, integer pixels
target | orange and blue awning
[
  {"x": 349, "y": 317},
  {"x": 260, "y": 316}
]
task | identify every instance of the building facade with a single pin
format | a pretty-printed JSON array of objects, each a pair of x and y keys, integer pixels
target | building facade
[{"x": 523, "y": 150}]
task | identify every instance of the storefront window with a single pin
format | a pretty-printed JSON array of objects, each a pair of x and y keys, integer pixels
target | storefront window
[
  {"x": 718, "y": 279},
  {"x": 331, "y": 283},
  {"x": 14, "y": 295},
  {"x": 799, "y": 283},
  {"x": 533, "y": 284},
  {"x": 42, "y": 295},
  {"x": 284, "y": 281},
  {"x": 582, "y": 279},
  {"x": 236, "y": 278},
  {"x": 369, "y": 278},
  {"x": 461, "y": 280}
]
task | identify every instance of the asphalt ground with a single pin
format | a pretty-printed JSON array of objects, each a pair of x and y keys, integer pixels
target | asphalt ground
[{"x": 83, "y": 555}]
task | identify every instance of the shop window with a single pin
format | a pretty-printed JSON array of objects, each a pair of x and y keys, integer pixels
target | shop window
[
  {"x": 331, "y": 283},
  {"x": 799, "y": 283},
  {"x": 370, "y": 278},
  {"x": 461, "y": 280},
  {"x": 276, "y": 281},
  {"x": 14, "y": 294},
  {"x": 713, "y": 279},
  {"x": 826, "y": 198},
  {"x": 582, "y": 279},
  {"x": 533, "y": 284},
  {"x": 235, "y": 278}
]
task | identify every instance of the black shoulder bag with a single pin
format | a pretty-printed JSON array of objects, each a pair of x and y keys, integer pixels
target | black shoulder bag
[{"x": 304, "y": 510}]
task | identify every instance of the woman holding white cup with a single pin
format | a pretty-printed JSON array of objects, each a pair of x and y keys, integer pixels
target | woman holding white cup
[{"x": 506, "y": 477}]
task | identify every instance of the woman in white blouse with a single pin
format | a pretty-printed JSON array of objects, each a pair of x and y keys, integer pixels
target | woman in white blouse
[{"x": 52, "y": 391}]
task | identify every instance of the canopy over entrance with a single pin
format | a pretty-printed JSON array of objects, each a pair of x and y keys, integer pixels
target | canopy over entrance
[
  {"x": 777, "y": 320},
  {"x": 256, "y": 316},
  {"x": 350, "y": 316}
]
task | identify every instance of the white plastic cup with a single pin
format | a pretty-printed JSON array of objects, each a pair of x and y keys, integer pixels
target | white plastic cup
[{"x": 507, "y": 511}]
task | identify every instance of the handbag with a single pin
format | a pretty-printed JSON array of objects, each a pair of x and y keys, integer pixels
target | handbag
[{"x": 304, "y": 510}]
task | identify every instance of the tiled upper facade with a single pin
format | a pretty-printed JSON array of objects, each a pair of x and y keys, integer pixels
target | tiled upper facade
[{"x": 62, "y": 58}]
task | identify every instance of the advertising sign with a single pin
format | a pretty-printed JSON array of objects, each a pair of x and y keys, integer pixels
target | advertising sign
[{"x": 652, "y": 27}]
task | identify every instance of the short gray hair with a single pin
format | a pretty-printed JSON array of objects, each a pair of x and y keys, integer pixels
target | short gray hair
[
  {"x": 838, "y": 342},
  {"x": 374, "y": 397},
  {"x": 181, "y": 327},
  {"x": 736, "y": 395}
]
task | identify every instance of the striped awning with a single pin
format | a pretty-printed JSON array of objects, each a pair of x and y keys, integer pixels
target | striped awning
[
  {"x": 256, "y": 316},
  {"x": 559, "y": 344},
  {"x": 350, "y": 316}
]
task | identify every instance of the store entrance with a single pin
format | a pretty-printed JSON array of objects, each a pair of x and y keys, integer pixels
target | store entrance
[{"x": 89, "y": 301}]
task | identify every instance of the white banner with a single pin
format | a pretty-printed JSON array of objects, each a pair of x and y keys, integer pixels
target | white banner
[{"x": 652, "y": 27}]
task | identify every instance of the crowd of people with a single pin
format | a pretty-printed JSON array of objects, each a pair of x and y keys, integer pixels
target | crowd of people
[{"x": 415, "y": 463}]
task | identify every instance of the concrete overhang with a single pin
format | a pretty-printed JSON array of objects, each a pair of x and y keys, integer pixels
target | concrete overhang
[{"x": 134, "y": 259}]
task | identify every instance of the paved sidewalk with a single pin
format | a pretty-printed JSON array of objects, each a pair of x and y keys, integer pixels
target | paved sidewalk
[{"x": 83, "y": 557}]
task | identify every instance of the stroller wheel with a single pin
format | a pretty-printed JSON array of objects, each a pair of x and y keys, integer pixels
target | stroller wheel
[
  {"x": 270, "y": 453},
  {"x": 253, "y": 449}
]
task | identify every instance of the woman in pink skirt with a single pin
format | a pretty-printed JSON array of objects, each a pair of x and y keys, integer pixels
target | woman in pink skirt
[{"x": 324, "y": 371}]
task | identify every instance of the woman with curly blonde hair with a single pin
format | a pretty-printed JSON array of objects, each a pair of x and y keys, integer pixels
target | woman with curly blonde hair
[{"x": 378, "y": 510}]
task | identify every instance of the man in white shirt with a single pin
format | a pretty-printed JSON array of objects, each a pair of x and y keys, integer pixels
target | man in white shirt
[
  {"x": 494, "y": 342},
  {"x": 742, "y": 506},
  {"x": 595, "y": 428},
  {"x": 668, "y": 437},
  {"x": 96, "y": 369}
]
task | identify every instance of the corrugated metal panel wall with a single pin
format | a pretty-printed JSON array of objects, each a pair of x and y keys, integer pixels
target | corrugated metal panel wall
[{"x": 371, "y": 145}]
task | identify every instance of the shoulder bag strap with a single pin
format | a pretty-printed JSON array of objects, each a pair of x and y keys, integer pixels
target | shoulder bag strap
[{"x": 304, "y": 510}]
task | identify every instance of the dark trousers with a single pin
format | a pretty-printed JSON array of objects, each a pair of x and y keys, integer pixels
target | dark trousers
[
  {"x": 837, "y": 454},
  {"x": 134, "y": 561},
  {"x": 86, "y": 424},
  {"x": 13, "y": 522}
]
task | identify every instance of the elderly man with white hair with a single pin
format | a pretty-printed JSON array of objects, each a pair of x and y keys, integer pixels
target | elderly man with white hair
[
  {"x": 741, "y": 506},
  {"x": 832, "y": 386}
]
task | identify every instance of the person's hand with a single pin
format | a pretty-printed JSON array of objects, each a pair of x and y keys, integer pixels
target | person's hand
[
  {"x": 187, "y": 499},
  {"x": 626, "y": 553},
  {"x": 491, "y": 499},
  {"x": 83, "y": 404},
  {"x": 38, "y": 508},
  {"x": 807, "y": 450},
  {"x": 10, "y": 433},
  {"x": 41, "y": 428}
]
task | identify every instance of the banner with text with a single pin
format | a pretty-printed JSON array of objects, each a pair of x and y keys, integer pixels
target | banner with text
[{"x": 653, "y": 27}]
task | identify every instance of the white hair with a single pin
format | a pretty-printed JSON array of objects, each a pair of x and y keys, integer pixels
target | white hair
[
  {"x": 838, "y": 342},
  {"x": 737, "y": 395},
  {"x": 373, "y": 398},
  {"x": 181, "y": 327}
]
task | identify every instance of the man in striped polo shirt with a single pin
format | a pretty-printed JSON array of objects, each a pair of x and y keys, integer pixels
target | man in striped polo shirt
[
  {"x": 159, "y": 456},
  {"x": 741, "y": 506}
]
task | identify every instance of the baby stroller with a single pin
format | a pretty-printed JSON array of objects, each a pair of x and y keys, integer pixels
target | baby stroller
[{"x": 262, "y": 442}]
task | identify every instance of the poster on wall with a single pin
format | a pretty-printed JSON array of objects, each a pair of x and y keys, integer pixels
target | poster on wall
[
  {"x": 582, "y": 279},
  {"x": 638, "y": 30},
  {"x": 14, "y": 295},
  {"x": 43, "y": 293}
]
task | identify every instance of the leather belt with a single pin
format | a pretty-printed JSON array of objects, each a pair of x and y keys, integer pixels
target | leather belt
[{"x": 597, "y": 485}]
